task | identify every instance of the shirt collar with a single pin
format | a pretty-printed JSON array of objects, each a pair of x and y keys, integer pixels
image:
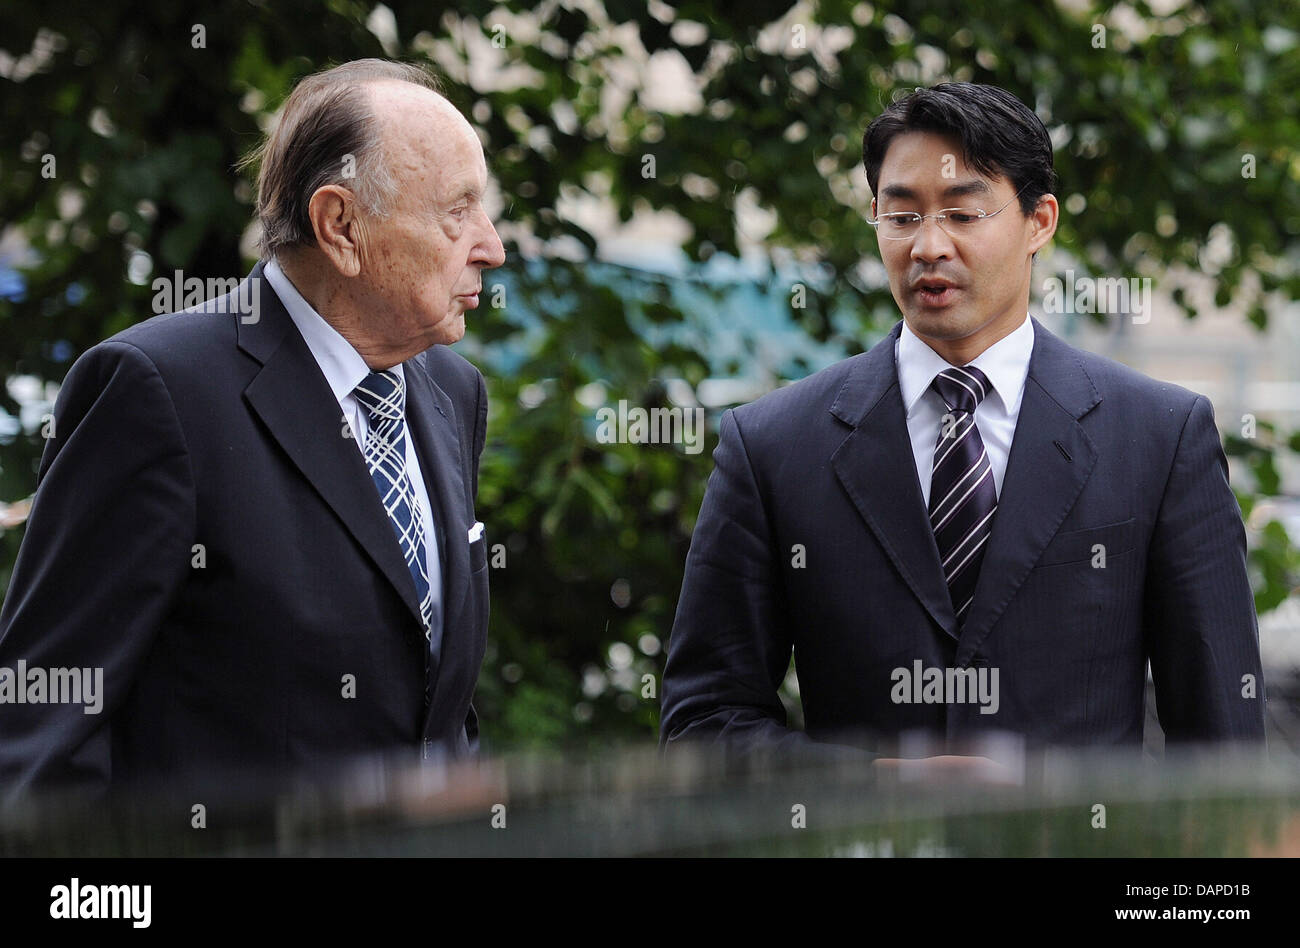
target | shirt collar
[
  {"x": 1005, "y": 363},
  {"x": 342, "y": 365}
]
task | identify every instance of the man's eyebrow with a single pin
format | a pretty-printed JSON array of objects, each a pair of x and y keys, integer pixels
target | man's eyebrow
[
  {"x": 975, "y": 186},
  {"x": 469, "y": 192},
  {"x": 897, "y": 191}
]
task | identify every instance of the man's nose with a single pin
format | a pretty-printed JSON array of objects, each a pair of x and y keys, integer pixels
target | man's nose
[
  {"x": 492, "y": 253},
  {"x": 931, "y": 242},
  {"x": 489, "y": 251}
]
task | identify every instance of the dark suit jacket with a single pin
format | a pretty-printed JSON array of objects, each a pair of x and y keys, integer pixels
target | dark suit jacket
[
  {"x": 1101, "y": 455},
  {"x": 208, "y": 428}
]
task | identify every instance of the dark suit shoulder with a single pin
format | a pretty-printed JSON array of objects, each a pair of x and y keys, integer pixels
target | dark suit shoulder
[
  {"x": 181, "y": 339},
  {"x": 790, "y": 408},
  {"x": 1140, "y": 395}
]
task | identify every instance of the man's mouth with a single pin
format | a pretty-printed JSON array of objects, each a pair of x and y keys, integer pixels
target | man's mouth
[
  {"x": 935, "y": 293},
  {"x": 471, "y": 299}
]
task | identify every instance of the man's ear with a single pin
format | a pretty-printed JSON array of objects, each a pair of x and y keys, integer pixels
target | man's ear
[
  {"x": 1042, "y": 221},
  {"x": 337, "y": 226}
]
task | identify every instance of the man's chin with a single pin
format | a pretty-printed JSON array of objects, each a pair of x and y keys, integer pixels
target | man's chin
[
  {"x": 947, "y": 324},
  {"x": 451, "y": 330}
]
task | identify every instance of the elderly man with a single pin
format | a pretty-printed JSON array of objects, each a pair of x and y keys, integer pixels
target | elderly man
[{"x": 256, "y": 519}]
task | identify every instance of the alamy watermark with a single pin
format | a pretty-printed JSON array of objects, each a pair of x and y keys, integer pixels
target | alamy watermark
[
  {"x": 75, "y": 900},
  {"x": 677, "y": 425},
  {"x": 36, "y": 685},
  {"x": 223, "y": 295},
  {"x": 1110, "y": 296},
  {"x": 921, "y": 685}
]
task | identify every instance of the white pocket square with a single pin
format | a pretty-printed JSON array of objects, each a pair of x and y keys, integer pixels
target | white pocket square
[{"x": 475, "y": 532}]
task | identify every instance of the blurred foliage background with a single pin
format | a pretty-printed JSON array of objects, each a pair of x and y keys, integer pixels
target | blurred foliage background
[{"x": 146, "y": 107}]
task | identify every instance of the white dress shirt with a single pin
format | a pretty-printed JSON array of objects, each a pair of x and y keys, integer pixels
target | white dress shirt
[
  {"x": 1005, "y": 363},
  {"x": 344, "y": 370}
]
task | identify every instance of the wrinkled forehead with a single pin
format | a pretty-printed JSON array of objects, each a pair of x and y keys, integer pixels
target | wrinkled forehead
[{"x": 424, "y": 134}]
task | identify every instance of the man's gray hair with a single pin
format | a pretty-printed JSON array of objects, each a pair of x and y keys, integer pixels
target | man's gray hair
[{"x": 327, "y": 134}]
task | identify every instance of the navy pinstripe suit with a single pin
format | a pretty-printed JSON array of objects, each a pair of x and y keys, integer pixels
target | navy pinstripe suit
[{"x": 1101, "y": 455}]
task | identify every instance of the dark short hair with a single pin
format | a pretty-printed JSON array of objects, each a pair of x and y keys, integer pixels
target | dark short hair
[
  {"x": 326, "y": 117},
  {"x": 999, "y": 134}
]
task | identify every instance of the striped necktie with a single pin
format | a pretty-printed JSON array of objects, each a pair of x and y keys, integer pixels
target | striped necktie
[
  {"x": 963, "y": 497},
  {"x": 383, "y": 397}
]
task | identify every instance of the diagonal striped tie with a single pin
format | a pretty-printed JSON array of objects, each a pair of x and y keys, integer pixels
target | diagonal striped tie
[
  {"x": 383, "y": 397},
  {"x": 963, "y": 497}
]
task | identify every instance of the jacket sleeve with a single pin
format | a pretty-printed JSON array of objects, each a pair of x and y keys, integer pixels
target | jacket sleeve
[
  {"x": 106, "y": 547},
  {"x": 480, "y": 428},
  {"x": 730, "y": 644},
  {"x": 1199, "y": 613},
  {"x": 480, "y": 438}
]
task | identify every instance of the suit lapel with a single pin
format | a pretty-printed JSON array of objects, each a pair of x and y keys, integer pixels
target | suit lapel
[
  {"x": 1041, "y": 484},
  {"x": 874, "y": 464},
  {"x": 295, "y": 403},
  {"x": 431, "y": 416},
  {"x": 1040, "y": 487}
]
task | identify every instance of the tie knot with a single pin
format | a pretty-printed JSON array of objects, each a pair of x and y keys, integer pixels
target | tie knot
[
  {"x": 961, "y": 389},
  {"x": 382, "y": 395}
]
